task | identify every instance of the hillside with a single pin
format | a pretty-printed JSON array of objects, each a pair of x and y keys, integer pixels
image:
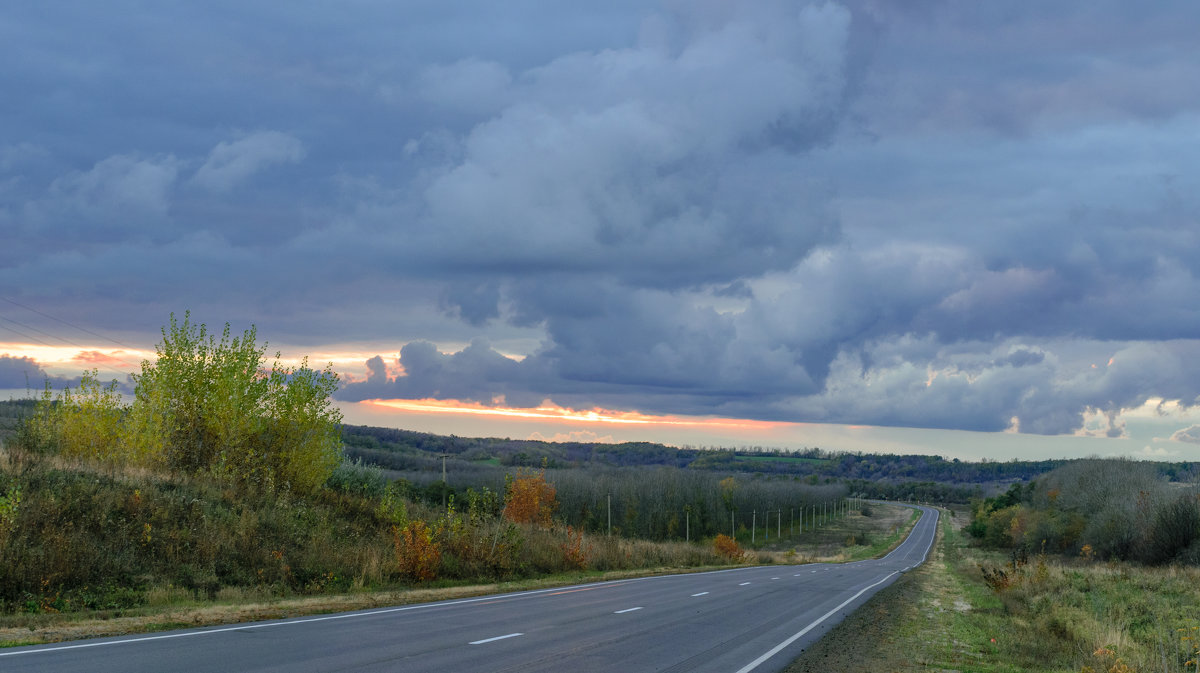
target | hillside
[{"x": 406, "y": 450}]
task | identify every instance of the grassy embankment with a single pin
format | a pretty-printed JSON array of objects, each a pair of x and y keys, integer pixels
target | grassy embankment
[
  {"x": 101, "y": 550},
  {"x": 1047, "y": 615}
]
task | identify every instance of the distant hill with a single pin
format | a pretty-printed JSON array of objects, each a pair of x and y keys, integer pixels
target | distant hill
[{"x": 406, "y": 450}]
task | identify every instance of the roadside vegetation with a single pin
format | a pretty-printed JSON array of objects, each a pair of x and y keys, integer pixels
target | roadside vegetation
[
  {"x": 222, "y": 480},
  {"x": 988, "y": 601}
]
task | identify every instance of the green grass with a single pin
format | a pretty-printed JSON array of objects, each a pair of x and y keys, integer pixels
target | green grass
[
  {"x": 1057, "y": 615},
  {"x": 882, "y": 546}
]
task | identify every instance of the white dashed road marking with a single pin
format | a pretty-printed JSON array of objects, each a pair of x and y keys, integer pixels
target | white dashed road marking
[{"x": 488, "y": 640}]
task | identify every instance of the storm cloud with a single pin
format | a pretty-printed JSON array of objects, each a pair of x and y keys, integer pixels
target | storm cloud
[{"x": 939, "y": 215}]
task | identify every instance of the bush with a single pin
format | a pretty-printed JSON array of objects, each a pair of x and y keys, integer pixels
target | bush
[
  {"x": 358, "y": 479},
  {"x": 203, "y": 407},
  {"x": 727, "y": 547},
  {"x": 417, "y": 555},
  {"x": 529, "y": 499},
  {"x": 1175, "y": 526}
]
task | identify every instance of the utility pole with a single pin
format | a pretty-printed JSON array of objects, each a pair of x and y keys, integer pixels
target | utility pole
[
  {"x": 610, "y": 514},
  {"x": 444, "y": 456},
  {"x": 753, "y": 525},
  {"x": 778, "y": 522},
  {"x": 732, "y": 524},
  {"x": 791, "y": 521},
  {"x": 687, "y": 524}
]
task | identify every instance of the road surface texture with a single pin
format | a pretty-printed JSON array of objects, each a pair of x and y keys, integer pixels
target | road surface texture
[{"x": 732, "y": 621}]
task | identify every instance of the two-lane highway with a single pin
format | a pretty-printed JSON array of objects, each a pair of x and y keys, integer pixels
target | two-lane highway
[{"x": 741, "y": 620}]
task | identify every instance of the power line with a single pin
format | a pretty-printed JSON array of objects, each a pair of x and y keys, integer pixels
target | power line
[
  {"x": 98, "y": 365},
  {"x": 26, "y": 336},
  {"x": 64, "y": 339},
  {"x": 81, "y": 329}
]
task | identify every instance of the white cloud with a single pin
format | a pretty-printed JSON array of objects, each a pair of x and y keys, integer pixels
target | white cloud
[
  {"x": 121, "y": 183},
  {"x": 1191, "y": 435},
  {"x": 231, "y": 163}
]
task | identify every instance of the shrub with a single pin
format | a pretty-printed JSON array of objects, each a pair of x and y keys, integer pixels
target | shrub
[
  {"x": 10, "y": 503},
  {"x": 359, "y": 479},
  {"x": 417, "y": 555},
  {"x": 1175, "y": 526},
  {"x": 727, "y": 547},
  {"x": 208, "y": 406},
  {"x": 529, "y": 499},
  {"x": 89, "y": 420},
  {"x": 575, "y": 554}
]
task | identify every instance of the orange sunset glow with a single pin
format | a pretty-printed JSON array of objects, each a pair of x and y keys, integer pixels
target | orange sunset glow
[{"x": 549, "y": 411}]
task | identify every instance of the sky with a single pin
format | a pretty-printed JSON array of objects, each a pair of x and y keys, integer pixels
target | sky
[{"x": 952, "y": 227}]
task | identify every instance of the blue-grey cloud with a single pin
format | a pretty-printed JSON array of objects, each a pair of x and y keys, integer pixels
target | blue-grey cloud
[
  {"x": 21, "y": 372},
  {"x": 930, "y": 214}
]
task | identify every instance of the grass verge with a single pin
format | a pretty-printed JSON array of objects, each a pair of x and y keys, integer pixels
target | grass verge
[
  {"x": 1049, "y": 615},
  {"x": 176, "y": 609},
  {"x": 852, "y": 537}
]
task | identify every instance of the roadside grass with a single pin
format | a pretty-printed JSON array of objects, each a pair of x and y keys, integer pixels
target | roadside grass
[
  {"x": 168, "y": 607},
  {"x": 84, "y": 509},
  {"x": 187, "y": 612},
  {"x": 851, "y": 537},
  {"x": 1049, "y": 615}
]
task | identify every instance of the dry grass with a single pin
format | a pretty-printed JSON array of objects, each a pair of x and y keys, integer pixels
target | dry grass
[
  {"x": 847, "y": 538},
  {"x": 1055, "y": 616}
]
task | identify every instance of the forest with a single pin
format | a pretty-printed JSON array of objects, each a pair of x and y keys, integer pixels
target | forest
[{"x": 1110, "y": 509}]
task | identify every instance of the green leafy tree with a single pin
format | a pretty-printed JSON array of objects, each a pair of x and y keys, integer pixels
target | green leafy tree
[
  {"x": 209, "y": 406},
  {"x": 89, "y": 420}
]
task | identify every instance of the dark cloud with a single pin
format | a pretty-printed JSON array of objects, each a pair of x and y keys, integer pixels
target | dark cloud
[
  {"x": 915, "y": 214},
  {"x": 20, "y": 372}
]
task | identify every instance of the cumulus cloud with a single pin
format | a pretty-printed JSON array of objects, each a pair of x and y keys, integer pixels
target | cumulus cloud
[
  {"x": 811, "y": 211},
  {"x": 20, "y": 372},
  {"x": 1190, "y": 435},
  {"x": 231, "y": 163}
]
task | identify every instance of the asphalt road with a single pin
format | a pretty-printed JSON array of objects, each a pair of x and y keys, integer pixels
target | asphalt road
[{"x": 733, "y": 621}]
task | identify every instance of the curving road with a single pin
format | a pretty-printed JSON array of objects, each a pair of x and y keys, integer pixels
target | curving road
[{"x": 733, "y": 621}]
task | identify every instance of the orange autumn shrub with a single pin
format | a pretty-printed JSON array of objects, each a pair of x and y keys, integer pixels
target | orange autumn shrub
[
  {"x": 529, "y": 499},
  {"x": 417, "y": 555},
  {"x": 728, "y": 547}
]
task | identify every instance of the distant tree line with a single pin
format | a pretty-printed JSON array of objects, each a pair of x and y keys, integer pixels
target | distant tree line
[{"x": 890, "y": 474}]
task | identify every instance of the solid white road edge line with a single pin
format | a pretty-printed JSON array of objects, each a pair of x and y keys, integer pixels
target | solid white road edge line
[
  {"x": 490, "y": 640},
  {"x": 621, "y": 612},
  {"x": 775, "y": 650}
]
